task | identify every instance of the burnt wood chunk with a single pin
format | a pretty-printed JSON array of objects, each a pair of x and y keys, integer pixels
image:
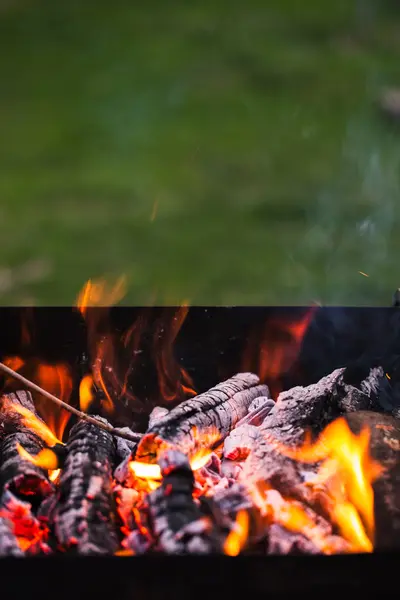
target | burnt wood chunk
[
  {"x": 315, "y": 406},
  {"x": 83, "y": 516},
  {"x": 176, "y": 523},
  {"x": 8, "y": 542},
  {"x": 385, "y": 449},
  {"x": 219, "y": 409},
  {"x": 16, "y": 473}
]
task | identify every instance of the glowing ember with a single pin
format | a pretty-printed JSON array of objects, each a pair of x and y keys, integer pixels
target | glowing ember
[{"x": 152, "y": 471}]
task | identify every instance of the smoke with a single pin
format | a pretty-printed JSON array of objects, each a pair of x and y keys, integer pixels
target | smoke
[{"x": 348, "y": 253}]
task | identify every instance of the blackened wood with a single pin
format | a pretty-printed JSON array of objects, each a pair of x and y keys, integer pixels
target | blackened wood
[
  {"x": 220, "y": 408},
  {"x": 83, "y": 516},
  {"x": 385, "y": 449},
  {"x": 16, "y": 473},
  {"x": 315, "y": 406},
  {"x": 174, "y": 517}
]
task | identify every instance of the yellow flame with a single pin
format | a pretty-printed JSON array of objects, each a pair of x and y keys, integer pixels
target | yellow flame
[
  {"x": 143, "y": 470},
  {"x": 348, "y": 472},
  {"x": 237, "y": 537},
  {"x": 32, "y": 422},
  {"x": 99, "y": 293},
  {"x": 86, "y": 395},
  {"x": 54, "y": 474},
  {"x": 45, "y": 459}
]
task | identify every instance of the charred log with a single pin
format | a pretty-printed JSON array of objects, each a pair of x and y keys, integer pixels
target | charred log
[
  {"x": 313, "y": 407},
  {"x": 175, "y": 520},
  {"x": 17, "y": 474},
  {"x": 220, "y": 409},
  {"x": 83, "y": 511}
]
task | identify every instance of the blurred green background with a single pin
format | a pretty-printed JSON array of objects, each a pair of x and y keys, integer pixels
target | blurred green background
[{"x": 218, "y": 152}]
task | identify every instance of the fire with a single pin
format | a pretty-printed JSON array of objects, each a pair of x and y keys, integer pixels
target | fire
[
  {"x": 97, "y": 293},
  {"x": 174, "y": 382},
  {"x": 347, "y": 472},
  {"x": 57, "y": 380},
  {"x": 278, "y": 349},
  {"x": 45, "y": 459},
  {"x": 152, "y": 472},
  {"x": 86, "y": 395},
  {"x": 32, "y": 422},
  {"x": 237, "y": 537}
]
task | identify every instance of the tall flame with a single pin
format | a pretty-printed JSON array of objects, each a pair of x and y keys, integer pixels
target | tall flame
[
  {"x": 347, "y": 471},
  {"x": 174, "y": 381},
  {"x": 278, "y": 348}
]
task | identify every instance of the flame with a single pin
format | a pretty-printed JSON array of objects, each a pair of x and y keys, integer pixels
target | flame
[
  {"x": 152, "y": 472},
  {"x": 86, "y": 395},
  {"x": 98, "y": 293},
  {"x": 278, "y": 349},
  {"x": 174, "y": 381},
  {"x": 54, "y": 475},
  {"x": 14, "y": 362},
  {"x": 32, "y": 422},
  {"x": 237, "y": 537},
  {"x": 45, "y": 459},
  {"x": 57, "y": 380},
  {"x": 347, "y": 471}
]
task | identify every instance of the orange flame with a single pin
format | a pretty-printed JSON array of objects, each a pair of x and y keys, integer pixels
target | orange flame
[
  {"x": 45, "y": 459},
  {"x": 174, "y": 382},
  {"x": 86, "y": 395},
  {"x": 150, "y": 471},
  {"x": 237, "y": 537},
  {"x": 278, "y": 350},
  {"x": 32, "y": 422},
  {"x": 98, "y": 293},
  {"x": 348, "y": 472},
  {"x": 57, "y": 380}
]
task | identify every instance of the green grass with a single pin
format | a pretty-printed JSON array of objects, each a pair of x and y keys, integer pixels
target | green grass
[{"x": 252, "y": 126}]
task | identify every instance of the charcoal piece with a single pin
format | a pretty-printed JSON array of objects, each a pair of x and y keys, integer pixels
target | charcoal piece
[
  {"x": 233, "y": 499},
  {"x": 83, "y": 513},
  {"x": 16, "y": 473},
  {"x": 172, "y": 510},
  {"x": 258, "y": 410},
  {"x": 124, "y": 447},
  {"x": 284, "y": 542},
  {"x": 30, "y": 533},
  {"x": 385, "y": 449},
  {"x": 220, "y": 409},
  {"x": 241, "y": 441},
  {"x": 266, "y": 464},
  {"x": 8, "y": 542},
  {"x": 157, "y": 414},
  {"x": 315, "y": 406}
]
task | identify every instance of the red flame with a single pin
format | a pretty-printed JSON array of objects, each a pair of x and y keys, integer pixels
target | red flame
[
  {"x": 278, "y": 349},
  {"x": 174, "y": 382}
]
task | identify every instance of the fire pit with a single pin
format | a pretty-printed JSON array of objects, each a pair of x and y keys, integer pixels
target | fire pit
[{"x": 270, "y": 433}]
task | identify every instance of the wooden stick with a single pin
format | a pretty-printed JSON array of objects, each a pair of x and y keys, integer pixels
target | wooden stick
[{"x": 132, "y": 437}]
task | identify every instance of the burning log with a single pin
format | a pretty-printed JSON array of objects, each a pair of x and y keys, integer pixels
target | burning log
[
  {"x": 17, "y": 474},
  {"x": 315, "y": 406},
  {"x": 385, "y": 448},
  {"x": 8, "y": 542},
  {"x": 173, "y": 518},
  {"x": 218, "y": 409},
  {"x": 83, "y": 509}
]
